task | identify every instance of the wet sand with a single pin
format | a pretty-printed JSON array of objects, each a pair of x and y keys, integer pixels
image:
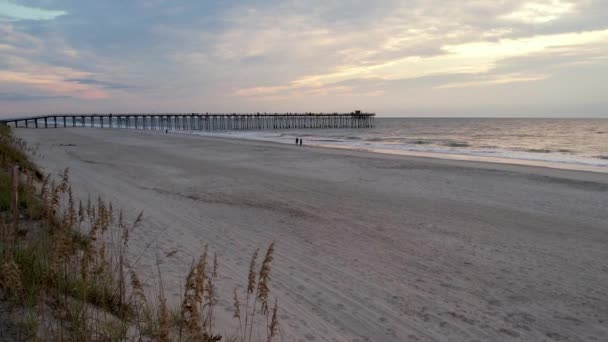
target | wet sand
[{"x": 370, "y": 247}]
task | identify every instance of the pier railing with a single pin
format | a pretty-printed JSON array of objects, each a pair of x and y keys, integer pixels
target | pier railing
[{"x": 198, "y": 121}]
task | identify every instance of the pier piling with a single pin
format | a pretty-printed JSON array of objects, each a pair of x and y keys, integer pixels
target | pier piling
[{"x": 206, "y": 121}]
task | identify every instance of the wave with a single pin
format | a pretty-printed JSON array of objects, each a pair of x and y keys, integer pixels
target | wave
[
  {"x": 452, "y": 148},
  {"x": 327, "y": 140},
  {"x": 538, "y": 150},
  {"x": 546, "y": 150},
  {"x": 457, "y": 144}
]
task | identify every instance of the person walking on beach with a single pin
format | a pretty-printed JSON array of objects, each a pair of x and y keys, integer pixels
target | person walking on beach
[
  {"x": 300, "y": 141},
  {"x": 296, "y": 141}
]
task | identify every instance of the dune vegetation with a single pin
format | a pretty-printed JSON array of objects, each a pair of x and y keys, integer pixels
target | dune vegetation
[{"x": 66, "y": 275}]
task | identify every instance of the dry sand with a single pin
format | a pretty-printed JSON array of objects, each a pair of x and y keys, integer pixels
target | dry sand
[{"x": 370, "y": 247}]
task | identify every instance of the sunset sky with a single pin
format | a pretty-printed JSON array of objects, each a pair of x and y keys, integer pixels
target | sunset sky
[{"x": 396, "y": 58}]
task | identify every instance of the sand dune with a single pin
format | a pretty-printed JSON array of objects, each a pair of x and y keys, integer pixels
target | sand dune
[{"x": 370, "y": 247}]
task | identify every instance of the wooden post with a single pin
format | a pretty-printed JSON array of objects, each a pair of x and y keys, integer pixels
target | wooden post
[{"x": 15, "y": 199}]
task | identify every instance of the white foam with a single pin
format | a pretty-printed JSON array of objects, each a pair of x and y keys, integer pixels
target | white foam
[{"x": 554, "y": 159}]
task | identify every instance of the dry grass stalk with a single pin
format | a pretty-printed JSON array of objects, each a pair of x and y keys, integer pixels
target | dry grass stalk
[
  {"x": 251, "y": 281},
  {"x": 264, "y": 279},
  {"x": 237, "y": 307},
  {"x": 273, "y": 329},
  {"x": 190, "y": 304},
  {"x": 138, "y": 219},
  {"x": 111, "y": 213},
  {"x": 163, "y": 313},
  {"x": 163, "y": 335},
  {"x": 262, "y": 290},
  {"x": 44, "y": 188},
  {"x": 137, "y": 287},
  {"x": 80, "y": 212},
  {"x": 210, "y": 302},
  {"x": 90, "y": 210},
  {"x": 65, "y": 180},
  {"x": 11, "y": 278},
  {"x": 201, "y": 275},
  {"x": 85, "y": 262},
  {"x": 72, "y": 211},
  {"x": 215, "y": 265},
  {"x": 29, "y": 184},
  {"x": 124, "y": 228},
  {"x": 5, "y": 231},
  {"x": 53, "y": 204},
  {"x": 251, "y": 276}
]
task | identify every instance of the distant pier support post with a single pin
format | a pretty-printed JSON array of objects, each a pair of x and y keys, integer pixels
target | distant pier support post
[{"x": 207, "y": 122}]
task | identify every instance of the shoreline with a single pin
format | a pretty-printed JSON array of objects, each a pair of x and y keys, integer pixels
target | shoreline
[
  {"x": 506, "y": 164},
  {"x": 573, "y": 166}
]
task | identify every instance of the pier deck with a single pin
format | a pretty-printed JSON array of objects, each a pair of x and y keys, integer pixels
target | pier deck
[{"x": 198, "y": 121}]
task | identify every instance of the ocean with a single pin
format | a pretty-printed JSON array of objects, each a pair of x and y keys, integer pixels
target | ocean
[{"x": 562, "y": 143}]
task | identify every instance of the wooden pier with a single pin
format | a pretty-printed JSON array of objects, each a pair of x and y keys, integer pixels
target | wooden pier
[{"x": 198, "y": 121}]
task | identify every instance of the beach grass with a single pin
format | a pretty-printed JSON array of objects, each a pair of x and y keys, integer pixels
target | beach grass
[{"x": 66, "y": 274}]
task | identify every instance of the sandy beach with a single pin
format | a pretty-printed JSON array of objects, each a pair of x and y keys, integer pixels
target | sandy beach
[{"x": 369, "y": 247}]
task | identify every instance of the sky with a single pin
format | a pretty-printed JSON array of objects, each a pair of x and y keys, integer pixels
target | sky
[{"x": 489, "y": 58}]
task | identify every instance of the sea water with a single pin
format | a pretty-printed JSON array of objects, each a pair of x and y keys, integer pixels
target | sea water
[{"x": 564, "y": 143}]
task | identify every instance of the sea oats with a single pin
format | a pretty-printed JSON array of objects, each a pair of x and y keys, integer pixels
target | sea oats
[
  {"x": 273, "y": 329},
  {"x": 264, "y": 279}
]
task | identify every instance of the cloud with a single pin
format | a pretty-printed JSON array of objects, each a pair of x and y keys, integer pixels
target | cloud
[
  {"x": 267, "y": 51},
  {"x": 28, "y": 97},
  {"x": 47, "y": 63},
  {"x": 474, "y": 57},
  {"x": 104, "y": 84},
  {"x": 11, "y": 11},
  {"x": 536, "y": 12},
  {"x": 269, "y": 54},
  {"x": 50, "y": 80},
  {"x": 494, "y": 80}
]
